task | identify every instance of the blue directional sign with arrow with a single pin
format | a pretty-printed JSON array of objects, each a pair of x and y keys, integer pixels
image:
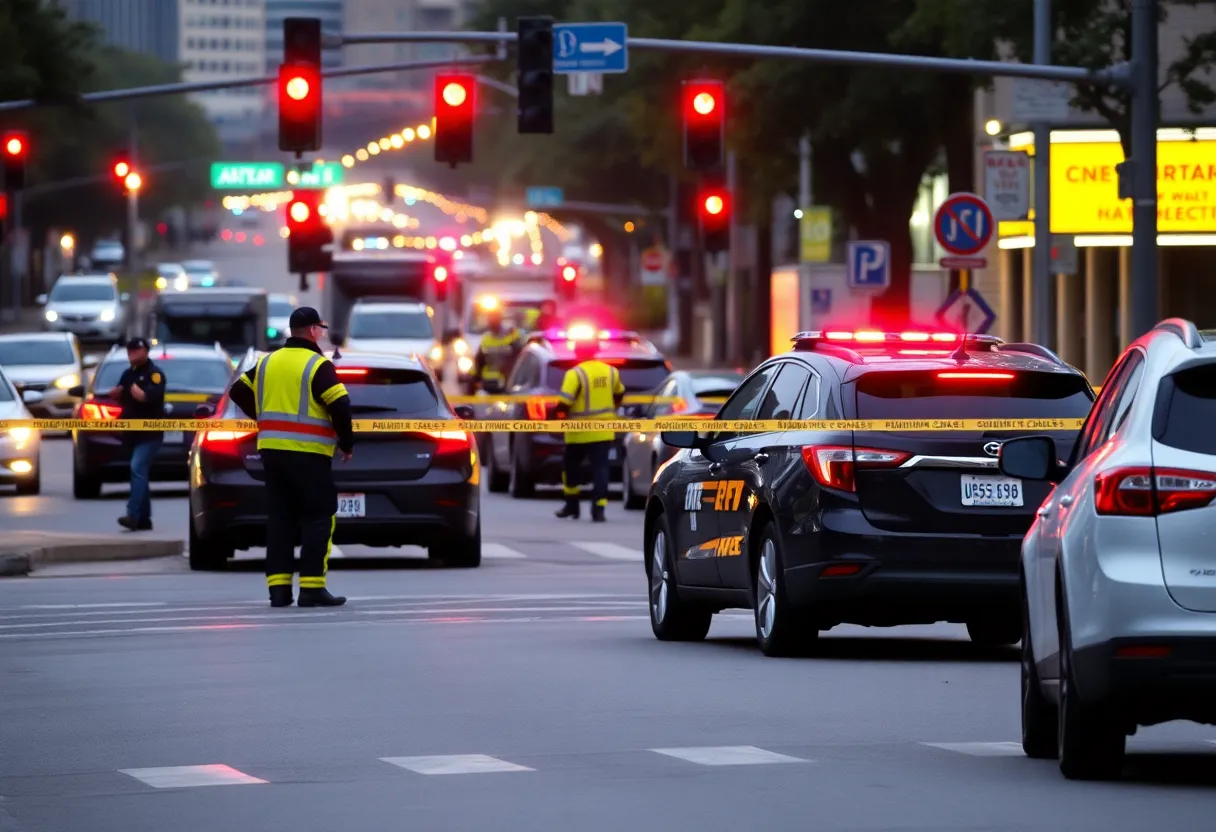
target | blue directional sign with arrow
[
  {"x": 966, "y": 311},
  {"x": 590, "y": 47}
]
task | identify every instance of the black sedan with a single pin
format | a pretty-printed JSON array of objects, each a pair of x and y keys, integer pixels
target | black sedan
[{"x": 400, "y": 489}]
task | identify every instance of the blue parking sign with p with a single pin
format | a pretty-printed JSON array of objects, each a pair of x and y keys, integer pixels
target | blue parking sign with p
[{"x": 869, "y": 264}]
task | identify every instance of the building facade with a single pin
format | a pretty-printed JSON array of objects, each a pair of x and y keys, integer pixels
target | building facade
[
  {"x": 149, "y": 26},
  {"x": 363, "y": 16},
  {"x": 330, "y": 13},
  {"x": 226, "y": 40}
]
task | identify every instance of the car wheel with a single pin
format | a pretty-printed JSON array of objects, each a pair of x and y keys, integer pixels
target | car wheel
[
  {"x": 780, "y": 631},
  {"x": 1039, "y": 719},
  {"x": 671, "y": 617},
  {"x": 994, "y": 632},
  {"x": 632, "y": 500},
  {"x": 521, "y": 486},
  {"x": 462, "y": 553},
  {"x": 1091, "y": 745},
  {"x": 498, "y": 481},
  {"x": 207, "y": 555},
  {"x": 85, "y": 486},
  {"x": 30, "y": 486}
]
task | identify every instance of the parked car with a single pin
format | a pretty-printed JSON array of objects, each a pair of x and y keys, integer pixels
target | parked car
[
  {"x": 46, "y": 362},
  {"x": 87, "y": 305},
  {"x": 20, "y": 448}
]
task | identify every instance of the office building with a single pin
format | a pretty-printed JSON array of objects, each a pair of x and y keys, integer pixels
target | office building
[
  {"x": 222, "y": 40},
  {"x": 149, "y": 26},
  {"x": 328, "y": 11}
]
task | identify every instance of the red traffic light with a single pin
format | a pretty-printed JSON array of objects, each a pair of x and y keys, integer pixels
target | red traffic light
[
  {"x": 703, "y": 100},
  {"x": 440, "y": 273},
  {"x": 715, "y": 203},
  {"x": 704, "y": 103},
  {"x": 299, "y": 108},
  {"x": 297, "y": 88},
  {"x": 569, "y": 273},
  {"x": 299, "y": 212},
  {"x": 14, "y": 145},
  {"x": 121, "y": 169},
  {"x": 455, "y": 94},
  {"x": 454, "y": 117}
]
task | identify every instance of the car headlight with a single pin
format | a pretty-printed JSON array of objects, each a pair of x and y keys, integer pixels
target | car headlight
[
  {"x": 52, "y": 315},
  {"x": 460, "y": 346},
  {"x": 436, "y": 353},
  {"x": 107, "y": 315},
  {"x": 161, "y": 284},
  {"x": 21, "y": 435},
  {"x": 67, "y": 382},
  {"x": 182, "y": 283}
]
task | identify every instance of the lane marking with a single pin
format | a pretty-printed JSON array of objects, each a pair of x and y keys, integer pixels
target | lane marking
[
  {"x": 454, "y": 764},
  {"x": 336, "y": 552},
  {"x": 612, "y": 551},
  {"x": 179, "y": 777},
  {"x": 728, "y": 755},
  {"x": 93, "y": 606},
  {"x": 468, "y": 610},
  {"x": 980, "y": 749},
  {"x": 498, "y": 550}
]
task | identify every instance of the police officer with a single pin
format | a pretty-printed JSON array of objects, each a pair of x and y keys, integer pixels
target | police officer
[
  {"x": 496, "y": 353},
  {"x": 303, "y": 414},
  {"x": 590, "y": 390},
  {"x": 141, "y": 390}
]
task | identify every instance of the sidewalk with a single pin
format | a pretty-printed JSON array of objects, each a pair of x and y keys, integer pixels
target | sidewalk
[{"x": 29, "y": 319}]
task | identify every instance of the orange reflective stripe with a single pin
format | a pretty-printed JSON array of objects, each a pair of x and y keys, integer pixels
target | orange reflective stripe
[{"x": 295, "y": 427}]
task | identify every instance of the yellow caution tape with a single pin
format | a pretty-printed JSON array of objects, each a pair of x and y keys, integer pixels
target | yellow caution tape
[
  {"x": 571, "y": 425},
  {"x": 505, "y": 399}
]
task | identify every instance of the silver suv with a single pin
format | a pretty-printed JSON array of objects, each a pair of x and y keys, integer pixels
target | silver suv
[
  {"x": 88, "y": 305},
  {"x": 1119, "y": 568}
]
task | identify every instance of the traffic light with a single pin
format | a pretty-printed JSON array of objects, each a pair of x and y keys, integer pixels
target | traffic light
[
  {"x": 704, "y": 124},
  {"x": 300, "y": 86},
  {"x": 122, "y": 167},
  {"x": 307, "y": 233},
  {"x": 454, "y": 118},
  {"x": 441, "y": 276},
  {"x": 567, "y": 281},
  {"x": 713, "y": 211},
  {"x": 535, "y": 82},
  {"x": 15, "y": 147}
]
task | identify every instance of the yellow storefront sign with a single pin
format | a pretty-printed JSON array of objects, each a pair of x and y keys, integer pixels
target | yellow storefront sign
[{"x": 816, "y": 228}]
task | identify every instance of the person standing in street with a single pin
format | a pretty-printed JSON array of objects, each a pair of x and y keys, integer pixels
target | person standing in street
[
  {"x": 590, "y": 390},
  {"x": 496, "y": 353},
  {"x": 141, "y": 391},
  {"x": 303, "y": 415},
  {"x": 547, "y": 318}
]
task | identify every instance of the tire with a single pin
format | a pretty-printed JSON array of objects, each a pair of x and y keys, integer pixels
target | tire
[
  {"x": 631, "y": 500},
  {"x": 521, "y": 484},
  {"x": 995, "y": 632},
  {"x": 780, "y": 631},
  {"x": 208, "y": 555},
  {"x": 461, "y": 553},
  {"x": 31, "y": 486},
  {"x": 671, "y": 617},
  {"x": 85, "y": 486},
  {"x": 1091, "y": 743},
  {"x": 497, "y": 481},
  {"x": 1040, "y": 722}
]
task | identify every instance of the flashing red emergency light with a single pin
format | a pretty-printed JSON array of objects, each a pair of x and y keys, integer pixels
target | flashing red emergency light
[{"x": 874, "y": 336}]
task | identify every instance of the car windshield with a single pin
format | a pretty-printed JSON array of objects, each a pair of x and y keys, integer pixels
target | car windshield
[
  {"x": 199, "y": 268},
  {"x": 186, "y": 375},
  {"x": 397, "y": 324},
  {"x": 392, "y": 392},
  {"x": 637, "y": 374},
  {"x": 70, "y": 292},
  {"x": 514, "y": 312},
  {"x": 35, "y": 351},
  {"x": 233, "y": 334},
  {"x": 716, "y": 387},
  {"x": 6, "y": 392},
  {"x": 923, "y": 395},
  {"x": 281, "y": 308},
  {"x": 166, "y": 270}
]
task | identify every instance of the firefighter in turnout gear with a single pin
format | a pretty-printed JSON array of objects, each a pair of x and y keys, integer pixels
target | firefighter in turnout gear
[
  {"x": 590, "y": 390},
  {"x": 303, "y": 415},
  {"x": 496, "y": 354}
]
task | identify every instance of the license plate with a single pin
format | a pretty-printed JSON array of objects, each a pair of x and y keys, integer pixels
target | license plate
[
  {"x": 352, "y": 505},
  {"x": 174, "y": 437},
  {"x": 991, "y": 491}
]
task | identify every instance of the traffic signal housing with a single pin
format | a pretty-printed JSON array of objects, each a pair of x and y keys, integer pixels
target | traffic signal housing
[
  {"x": 566, "y": 283},
  {"x": 704, "y": 111},
  {"x": 15, "y": 148},
  {"x": 713, "y": 213},
  {"x": 308, "y": 233},
  {"x": 535, "y": 82},
  {"x": 300, "y": 86},
  {"x": 454, "y": 112}
]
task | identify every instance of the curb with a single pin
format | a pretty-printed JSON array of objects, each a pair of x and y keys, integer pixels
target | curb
[{"x": 23, "y": 560}]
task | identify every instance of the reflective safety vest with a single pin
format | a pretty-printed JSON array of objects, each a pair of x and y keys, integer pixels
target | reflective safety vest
[
  {"x": 590, "y": 390},
  {"x": 498, "y": 350},
  {"x": 289, "y": 418}
]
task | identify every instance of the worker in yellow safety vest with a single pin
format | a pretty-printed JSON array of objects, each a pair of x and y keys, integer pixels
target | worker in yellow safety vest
[
  {"x": 303, "y": 415},
  {"x": 590, "y": 390},
  {"x": 496, "y": 354}
]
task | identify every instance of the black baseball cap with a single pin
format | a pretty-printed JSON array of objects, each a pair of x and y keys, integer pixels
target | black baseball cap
[
  {"x": 138, "y": 344},
  {"x": 306, "y": 316}
]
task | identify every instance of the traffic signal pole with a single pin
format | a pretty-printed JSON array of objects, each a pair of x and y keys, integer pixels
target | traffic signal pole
[{"x": 1042, "y": 291}]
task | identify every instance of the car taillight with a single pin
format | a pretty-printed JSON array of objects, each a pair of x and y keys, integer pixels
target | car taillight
[
  {"x": 1147, "y": 492},
  {"x": 975, "y": 376},
  {"x": 223, "y": 441},
  {"x": 835, "y": 466},
  {"x": 93, "y": 410},
  {"x": 450, "y": 442}
]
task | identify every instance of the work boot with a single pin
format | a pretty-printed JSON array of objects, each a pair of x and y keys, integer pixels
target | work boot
[
  {"x": 128, "y": 523},
  {"x": 597, "y": 514},
  {"x": 280, "y": 596},
  {"x": 570, "y": 509},
  {"x": 145, "y": 526},
  {"x": 319, "y": 598}
]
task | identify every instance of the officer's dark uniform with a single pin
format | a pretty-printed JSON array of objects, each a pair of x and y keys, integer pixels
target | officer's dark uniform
[
  {"x": 590, "y": 390},
  {"x": 142, "y": 445},
  {"x": 303, "y": 414}
]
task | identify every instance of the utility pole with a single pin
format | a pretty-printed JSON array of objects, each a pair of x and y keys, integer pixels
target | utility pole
[
  {"x": 1144, "y": 306},
  {"x": 804, "y": 203},
  {"x": 1042, "y": 327},
  {"x": 673, "y": 273},
  {"x": 731, "y": 312},
  {"x": 132, "y": 193}
]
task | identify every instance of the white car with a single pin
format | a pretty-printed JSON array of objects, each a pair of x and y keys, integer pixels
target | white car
[
  {"x": 20, "y": 448},
  {"x": 107, "y": 254},
  {"x": 405, "y": 328},
  {"x": 89, "y": 305},
  {"x": 48, "y": 363},
  {"x": 171, "y": 275},
  {"x": 1119, "y": 569},
  {"x": 281, "y": 307},
  {"x": 200, "y": 273}
]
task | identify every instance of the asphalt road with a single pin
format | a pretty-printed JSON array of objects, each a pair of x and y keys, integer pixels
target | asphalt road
[{"x": 528, "y": 694}]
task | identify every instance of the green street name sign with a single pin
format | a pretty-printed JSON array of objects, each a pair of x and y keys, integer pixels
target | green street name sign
[
  {"x": 321, "y": 176},
  {"x": 232, "y": 176}
]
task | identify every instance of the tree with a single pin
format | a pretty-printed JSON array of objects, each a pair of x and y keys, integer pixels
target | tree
[{"x": 42, "y": 53}]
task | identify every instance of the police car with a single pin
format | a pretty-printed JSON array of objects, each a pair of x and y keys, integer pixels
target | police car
[
  {"x": 518, "y": 462},
  {"x": 811, "y": 529}
]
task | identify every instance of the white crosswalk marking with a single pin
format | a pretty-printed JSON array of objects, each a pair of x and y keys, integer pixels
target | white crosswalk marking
[
  {"x": 980, "y": 749},
  {"x": 728, "y": 755},
  {"x": 612, "y": 551},
  {"x": 179, "y": 777},
  {"x": 336, "y": 552},
  {"x": 498, "y": 550},
  {"x": 454, "y": 764}
]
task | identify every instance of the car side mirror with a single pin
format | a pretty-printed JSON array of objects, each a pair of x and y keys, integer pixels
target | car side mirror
[
  {"x": 684, "y": 438},
  {"x": 465, "y": 411},
  {"x": 31, "y": 396},
  {"x": 76, "y": 392},
  {"x": 41, "y": 300},
  {"x": 90, "y": 361},
  {"x": 204, "y": 411},
  {"x": 1030, "y": 458}
]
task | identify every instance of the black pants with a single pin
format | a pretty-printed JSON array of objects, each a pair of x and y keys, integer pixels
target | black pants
[
  {"x": 596, "y": 455},
  {"x": 303, "y": 502}
]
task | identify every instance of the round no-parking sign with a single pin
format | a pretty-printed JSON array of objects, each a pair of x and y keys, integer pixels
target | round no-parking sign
[{"x": 963, "y": 224}]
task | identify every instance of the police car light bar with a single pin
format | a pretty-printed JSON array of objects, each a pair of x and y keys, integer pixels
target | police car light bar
[
  {"x": 873, "y": 336},
  {"x": 588, "y": 332}
]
